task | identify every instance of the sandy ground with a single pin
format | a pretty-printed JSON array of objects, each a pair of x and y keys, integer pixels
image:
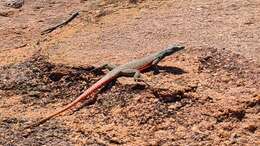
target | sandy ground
[{"x": 207, "y": 94}]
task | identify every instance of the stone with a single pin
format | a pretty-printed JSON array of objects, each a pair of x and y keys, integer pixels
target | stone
[{"x": 14, "y": 3}]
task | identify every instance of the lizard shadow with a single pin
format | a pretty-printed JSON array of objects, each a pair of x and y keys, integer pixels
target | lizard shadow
[
  {"x": 170, "y": 69},
  {"x": 167, "y": 69}
]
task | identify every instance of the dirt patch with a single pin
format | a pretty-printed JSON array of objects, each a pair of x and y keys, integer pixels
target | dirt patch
[
  {"x": 10, "y": 135},
  {"x": 39, "y": 81},
  {"x": 228, "y": 70},
  {"x": 183, "y": 110}
]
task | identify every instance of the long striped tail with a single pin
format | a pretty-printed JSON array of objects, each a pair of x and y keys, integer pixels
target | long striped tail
[{"x": 80, "y": 98}]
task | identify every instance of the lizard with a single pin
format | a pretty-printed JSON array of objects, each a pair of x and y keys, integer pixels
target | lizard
[{"x": 130, "y": 69}]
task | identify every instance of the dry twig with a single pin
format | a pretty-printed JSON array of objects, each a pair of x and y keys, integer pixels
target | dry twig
[{"x": 74, "y": 15}]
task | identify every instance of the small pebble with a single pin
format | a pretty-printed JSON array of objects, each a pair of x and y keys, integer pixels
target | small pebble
[{"x": 14, "y": 3}]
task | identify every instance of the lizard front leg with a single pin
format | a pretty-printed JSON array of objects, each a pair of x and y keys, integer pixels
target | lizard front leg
[
  {"x": 137, "y": 76},
  {"x": 132, "y": 73},
  {"x": 155, "y": 67}
]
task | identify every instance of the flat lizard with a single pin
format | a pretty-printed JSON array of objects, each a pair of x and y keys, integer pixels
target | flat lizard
[{"x": 131, "y": 69}]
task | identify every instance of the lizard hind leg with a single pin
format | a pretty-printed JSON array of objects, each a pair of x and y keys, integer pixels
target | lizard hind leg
[
  {"x": 108, "y": 86},
  {"x": 98, "y": 70},
  {"x": 107, "y": 66}
]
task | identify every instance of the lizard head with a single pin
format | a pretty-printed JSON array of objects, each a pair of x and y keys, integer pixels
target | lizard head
[{"x": 172, "y": 49}]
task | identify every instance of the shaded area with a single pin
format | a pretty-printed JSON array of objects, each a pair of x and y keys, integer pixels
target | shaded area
[
  {"x": 42, "y": 82},
  {"x": 10, "y": 135}
]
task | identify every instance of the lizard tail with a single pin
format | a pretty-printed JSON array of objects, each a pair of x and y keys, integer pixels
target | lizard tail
[
  {"x": 56, "y": 113},
  {"x": 80, "y": 98}
]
